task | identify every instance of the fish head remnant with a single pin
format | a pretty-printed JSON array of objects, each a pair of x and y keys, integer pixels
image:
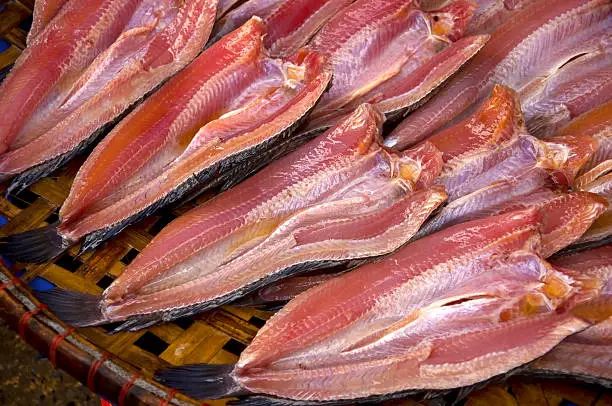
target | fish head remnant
[
  {"x": 510, "y": 52},
  {"x": 421, "y": 165},
  {"x": 451, "y": 21},
  {"x": 565, "y": 155}
]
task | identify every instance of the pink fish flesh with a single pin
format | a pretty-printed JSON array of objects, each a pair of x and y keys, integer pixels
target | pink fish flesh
[
  {"x": 514, "y": 47},
  {"x": 450, "y": 310},
  {"x": 291, "y": 22},
  {"x": 373, "y": 47},
  {"x": 44, "y": 11},
  {"x": 234, "y": 105},
  {"x": 337, "y": 198},
  {"x": 92, "y": 63}
]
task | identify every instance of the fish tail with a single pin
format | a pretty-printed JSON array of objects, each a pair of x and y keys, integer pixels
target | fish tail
[
  {"x": 202, "y": 381},
  {"x": 75, "y": 308},
  {"x": 34, "y": 246}
]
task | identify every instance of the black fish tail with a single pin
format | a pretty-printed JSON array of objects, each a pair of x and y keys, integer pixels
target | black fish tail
[
  {"x": 202, "y": 381},
  {"x": 75, "y": 308},
  {"x": 34, "y": 246}
]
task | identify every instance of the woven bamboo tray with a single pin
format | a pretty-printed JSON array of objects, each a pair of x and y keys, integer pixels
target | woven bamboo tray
[{"x": 119, "y": 367}]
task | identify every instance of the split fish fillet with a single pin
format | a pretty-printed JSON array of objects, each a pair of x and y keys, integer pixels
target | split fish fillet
[
  {"x": 588, "y": 354},
  {"x": 596, "y": 175},
  {"x": 598, "y": 124},
  {"x": 95, "y": 60},
  {"x": 390, "y": 53},
  {"x": 449, "y": 310},
  {"x": 291, "y": 23},
  {"x": 209, "y": 125},
  {"x": 44, "y": 11},
  {"x": 540, "y": 39},
  {"x": 493, "y": 165},
  {"x": 498, "y": 121},
  {"x": 566, "y": 216},
  {"x": 340, "y": 197}
]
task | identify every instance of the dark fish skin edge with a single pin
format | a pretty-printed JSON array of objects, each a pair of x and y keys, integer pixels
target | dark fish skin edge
[
  {"x": 236, "y": 165},
  {"x": 88, "y": 312},
  {"x": 35, "y": 173},
  {"x": 211, "y": 381},
  {"x": 5, "y": 71},
  {"x": 584, "y": 246},
  {"x": 139, "y": 322},
  {"x": 570, "y": 378}
]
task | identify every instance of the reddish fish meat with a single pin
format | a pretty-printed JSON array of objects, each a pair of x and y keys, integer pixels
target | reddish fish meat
[
  {"x": 211, "y": 124},
  {"x": 44, "y": 11},
  {"x": 588, "y": 354},
  {"x": 514, "y": 48},
  {"x": 338, "y": 198},
  {"x": 390, "y": 53},
  {"x": 493, "y": 166},
  {"x": 596, "y": 175},
  {"x": 450, "y": 310},
  {"x": 92, "y": 63},
  {"x": 291, "y": 23}
]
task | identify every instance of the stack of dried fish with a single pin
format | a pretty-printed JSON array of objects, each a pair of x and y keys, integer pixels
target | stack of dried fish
[{"x": 483, "y": 248}]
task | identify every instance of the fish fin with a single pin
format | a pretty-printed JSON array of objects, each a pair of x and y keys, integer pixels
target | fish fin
[
  {"x": 201, "y": 381},
  {"x": 5, "y": 71},
  {"x": 75, "y": 308},
  {"x": 34, "y": 246}
]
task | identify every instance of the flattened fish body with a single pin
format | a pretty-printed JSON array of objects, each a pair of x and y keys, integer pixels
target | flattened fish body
[
  {"x": 93, "y": 62},
  {"x": 339, "y": 197},
  {"x": 422, "y": 318},
  {"x": 291, "y": 23},
  {"x": 598, "y": 124},
  {"x": 233, "y": 100},
  {"x": 493, "y": 166},
  {"x": 537, "y": 22},
  {"x": 390, "y": 53},
  {"x": 557, "y": 83}
]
